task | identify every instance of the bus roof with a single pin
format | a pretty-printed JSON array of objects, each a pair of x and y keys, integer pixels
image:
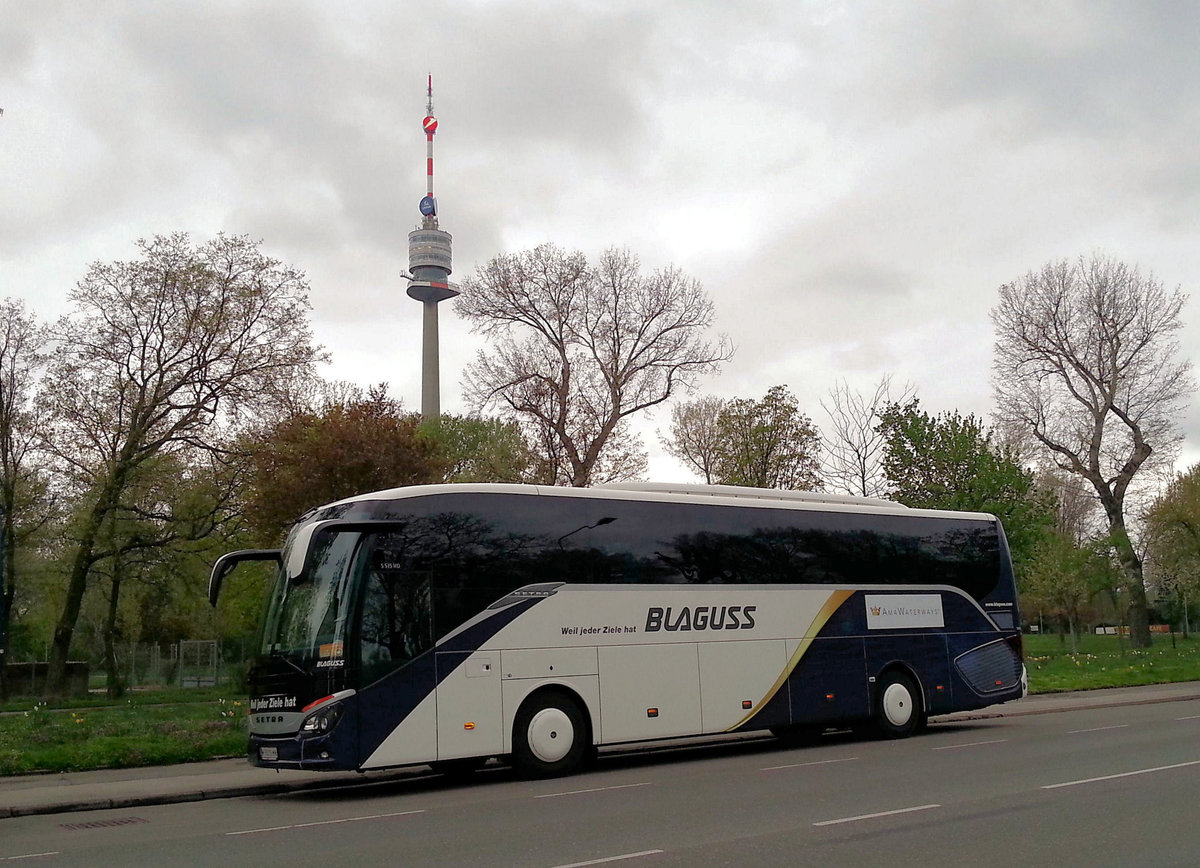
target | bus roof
[{"x": 727, "y": 495}]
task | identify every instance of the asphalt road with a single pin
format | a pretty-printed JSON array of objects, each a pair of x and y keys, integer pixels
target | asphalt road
[{"x": 1104, "y": 786}]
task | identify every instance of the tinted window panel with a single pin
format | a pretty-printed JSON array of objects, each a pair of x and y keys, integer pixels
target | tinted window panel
[{"x": 452, "y": 555}]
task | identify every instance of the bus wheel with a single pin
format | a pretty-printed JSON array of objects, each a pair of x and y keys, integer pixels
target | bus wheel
[
  {"x": 898, "y": 708},
  {"x": 549, "y": 736}
]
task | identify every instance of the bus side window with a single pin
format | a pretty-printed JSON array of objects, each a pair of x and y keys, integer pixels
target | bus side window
[{"x": 395, "y": 625}]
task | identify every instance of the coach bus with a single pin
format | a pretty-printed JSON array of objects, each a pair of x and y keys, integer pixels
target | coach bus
[{"x": 449, "y": 624}]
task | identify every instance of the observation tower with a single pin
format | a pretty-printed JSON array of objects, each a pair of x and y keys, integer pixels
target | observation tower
[{"x": 429, "y": 256}]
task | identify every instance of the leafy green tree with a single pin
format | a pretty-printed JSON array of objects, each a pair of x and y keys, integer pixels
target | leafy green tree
[
  {"x": 351, "y": 447},
  {"x": 481, "y": 449},
  {"x": 1174, "y": 534},
  {"x": 159, "y": 355},
  {"x": 23, "y": 488},
  {"x": 768, "y": 443},
  {"x": 950, "y": 461},
  {"x": 173, "y": 506},
  {"x": 1087, "y": 362},
  {"x": 577, "y": 349},
  {"x": 1063, "y": 577}
]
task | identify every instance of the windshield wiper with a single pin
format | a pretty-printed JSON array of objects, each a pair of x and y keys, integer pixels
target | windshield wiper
[{"x": 279, "y": 655}]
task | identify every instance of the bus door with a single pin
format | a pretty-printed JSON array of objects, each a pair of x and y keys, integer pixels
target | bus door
[{"x": 394, "y": 658}]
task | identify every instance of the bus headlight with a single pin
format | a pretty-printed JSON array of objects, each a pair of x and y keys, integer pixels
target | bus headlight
[{"x": 322, "y": 721}]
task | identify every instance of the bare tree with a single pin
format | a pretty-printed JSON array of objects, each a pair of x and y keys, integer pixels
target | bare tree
[
  {"x": 1086, "y": 359},
  {"x": 21, "y": 356},
  {"x": 1077, "y": 510},
  {"x": 578, "y": 349},
  {"x": 853, "y": 443},
  {"x": 158, "y": 353},
  {"x": 695, "y": 436}
]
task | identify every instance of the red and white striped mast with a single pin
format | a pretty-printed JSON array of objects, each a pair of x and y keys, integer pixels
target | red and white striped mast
[{"x": 430, "y": 126}]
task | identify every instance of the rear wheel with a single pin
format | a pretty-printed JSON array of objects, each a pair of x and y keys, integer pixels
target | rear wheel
[
  {"x": 550, "y": 735},
  {"x": 898, "y": 711}
]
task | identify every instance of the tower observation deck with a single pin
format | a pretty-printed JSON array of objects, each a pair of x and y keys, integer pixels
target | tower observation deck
[{"x": 429, "y": 264}]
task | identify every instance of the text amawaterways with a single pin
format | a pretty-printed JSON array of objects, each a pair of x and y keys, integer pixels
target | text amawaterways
[{"x": 700, "y": 618}]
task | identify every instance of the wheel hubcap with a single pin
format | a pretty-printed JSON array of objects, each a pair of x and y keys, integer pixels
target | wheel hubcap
[
  {"x": 897, "y": 705},
  {"x": 551, "y": 735}
]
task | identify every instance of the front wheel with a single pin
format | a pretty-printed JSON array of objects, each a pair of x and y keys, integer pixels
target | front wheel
[
  {"x": 550, "y": 736},
  {"x": 898, "y": 710}
]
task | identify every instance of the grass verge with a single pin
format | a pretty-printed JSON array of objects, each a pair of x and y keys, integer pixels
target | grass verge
[
  {"x": 1106, "y": 661},
  {"x": 121, "y": 736}
]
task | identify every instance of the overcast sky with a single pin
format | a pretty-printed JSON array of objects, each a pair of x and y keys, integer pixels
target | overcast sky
[{"x": 850, "y": 182}]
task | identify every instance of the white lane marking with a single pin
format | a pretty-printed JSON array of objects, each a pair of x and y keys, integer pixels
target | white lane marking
[
  {"x": 813, "y": 763},
  {"x": 324, "y": 823},
  {"x": 592, "y": 790},
  {"x": 28, "y": 856},
  {"x": 873, "y": 816},
  {"x": 1097, "y": 729},
  {"x": 609, "y": 859},
  {"x": 1191, "y": 717},
  {"x": 971, "y": 744},
  {"x": 1121, "y": 775}
]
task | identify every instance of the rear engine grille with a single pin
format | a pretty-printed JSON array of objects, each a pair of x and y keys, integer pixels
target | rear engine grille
[{"x": 990, "y": 668}]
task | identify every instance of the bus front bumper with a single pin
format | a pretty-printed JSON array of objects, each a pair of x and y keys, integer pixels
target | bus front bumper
[{"x": 310, "y": 753}]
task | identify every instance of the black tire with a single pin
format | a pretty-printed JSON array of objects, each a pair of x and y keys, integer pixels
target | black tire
[
  {"x": 551, "y": 736},
  {"x": 898, "y": 711}
]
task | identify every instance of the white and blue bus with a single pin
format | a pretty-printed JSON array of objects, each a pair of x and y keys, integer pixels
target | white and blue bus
[{"x": 448, "y": 624}]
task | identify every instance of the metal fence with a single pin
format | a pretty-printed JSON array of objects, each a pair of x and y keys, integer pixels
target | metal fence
[{"x": 189, "y": 663}]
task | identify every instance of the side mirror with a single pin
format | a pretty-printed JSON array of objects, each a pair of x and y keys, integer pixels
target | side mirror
[{"x": 228, "y": 562}]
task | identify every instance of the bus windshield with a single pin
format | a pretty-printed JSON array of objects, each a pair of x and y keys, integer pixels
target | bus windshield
[{"x": 306, "y": 614}]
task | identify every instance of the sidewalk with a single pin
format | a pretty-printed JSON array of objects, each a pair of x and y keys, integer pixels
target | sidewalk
[{"x": 220, "y": 779}]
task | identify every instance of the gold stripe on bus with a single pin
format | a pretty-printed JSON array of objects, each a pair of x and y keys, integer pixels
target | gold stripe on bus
[{"x": 831, "y": 605}]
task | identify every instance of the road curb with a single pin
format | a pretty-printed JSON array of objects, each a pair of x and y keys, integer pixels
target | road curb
[
  {"x": 1022, "y": 712},
  {"x": 201, "y": 795}
]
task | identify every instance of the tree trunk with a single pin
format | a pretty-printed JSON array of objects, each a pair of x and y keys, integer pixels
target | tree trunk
[
  {"x": 6, "y": 603},
  {"x": 81, "y": 565},
  {"x": 1131, "y": 566},
  {"x": 8, "y": 589},
  {"x": 115, "y": 688}
]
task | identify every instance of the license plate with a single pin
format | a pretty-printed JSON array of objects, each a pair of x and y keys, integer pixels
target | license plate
[{"x": 268, "y": 754}]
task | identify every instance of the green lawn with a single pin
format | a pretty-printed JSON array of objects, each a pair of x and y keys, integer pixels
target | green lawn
[
  {"x": 1105, "y": 661},
  {"x": 120, "y": 736}
]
